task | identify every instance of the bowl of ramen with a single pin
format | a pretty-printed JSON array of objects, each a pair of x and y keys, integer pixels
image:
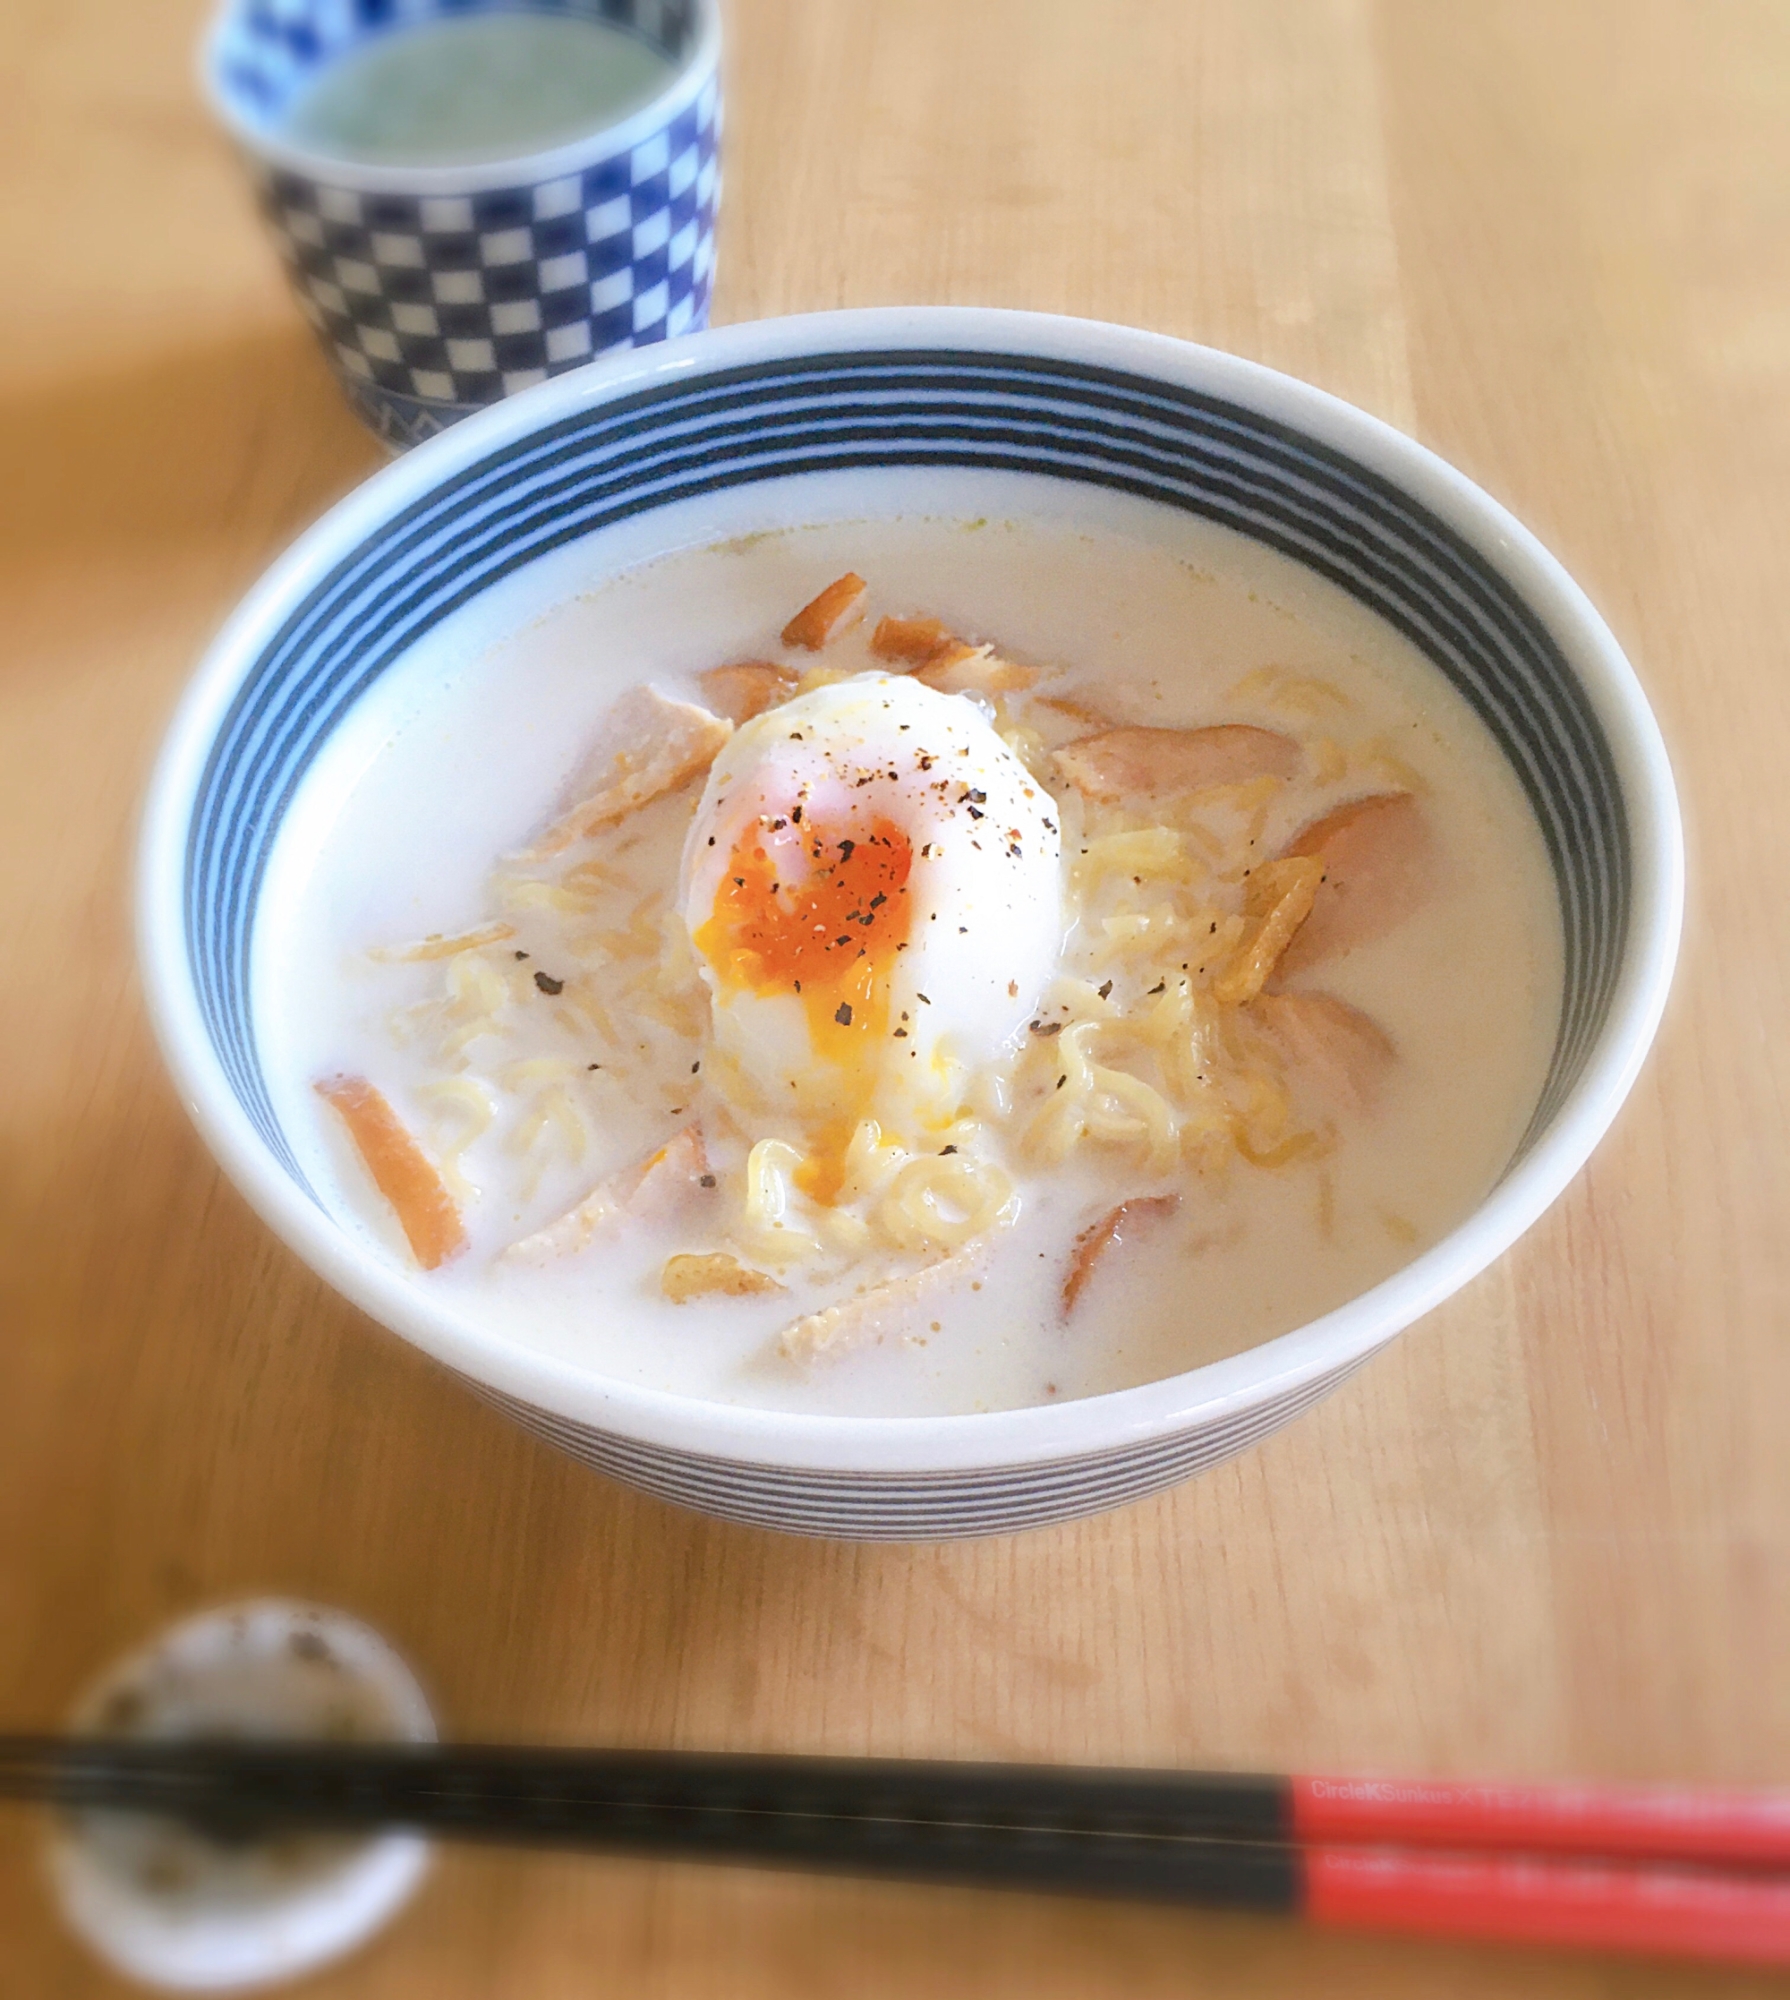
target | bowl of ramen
[{"x": 905, "y": 924}]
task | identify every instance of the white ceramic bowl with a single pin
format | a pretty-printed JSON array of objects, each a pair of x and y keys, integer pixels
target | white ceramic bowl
[{"x": 840, "y": 403}]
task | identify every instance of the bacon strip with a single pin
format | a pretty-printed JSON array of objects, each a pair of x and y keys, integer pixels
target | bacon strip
[
  {"x": 645, "y": 1186},
  {"x": 1279, "y": 899},
  {"x": 914, "y": 640},
  {"x": 824, "y": 617},
  {"x": 646, "y": 745},
  {"x": 964, "y": 669},
  {"x": 693, "y": 1275},
  {"x": 1117, "y": 1226},
  {"x": 942, "y": 660},
  {"x": 824, "y": 1335},
  {"x": 748, "y": 689},
  {"x": 401, "y": 1170},
  {"x": 441, "y": 945},
  {"x": 1157, "y": 763}
]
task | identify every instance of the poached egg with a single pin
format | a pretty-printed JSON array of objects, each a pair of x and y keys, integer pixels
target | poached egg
[{"x": 873, "y": 888}]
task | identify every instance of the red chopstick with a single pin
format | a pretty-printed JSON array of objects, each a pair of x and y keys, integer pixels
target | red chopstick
[
  {"x": 1723, "y": 1826},
  {"x": 1550, "y": 1901}
]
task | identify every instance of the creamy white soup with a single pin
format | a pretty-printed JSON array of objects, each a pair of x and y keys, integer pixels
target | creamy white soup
[{"x": 917, "y": 966}]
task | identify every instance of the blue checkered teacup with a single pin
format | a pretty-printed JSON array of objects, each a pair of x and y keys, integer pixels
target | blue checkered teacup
[{"x": 436, "y": 290}]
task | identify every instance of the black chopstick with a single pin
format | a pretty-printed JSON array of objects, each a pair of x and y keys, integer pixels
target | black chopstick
[
  {"x": 499, "y": 1790},
  {"x": 1240, "y": 1842},
  {"x": 1142, "y": 1834}
]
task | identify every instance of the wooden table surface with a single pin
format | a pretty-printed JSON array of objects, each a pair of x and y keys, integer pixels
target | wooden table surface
[{"x": 1547, "y": 1533}]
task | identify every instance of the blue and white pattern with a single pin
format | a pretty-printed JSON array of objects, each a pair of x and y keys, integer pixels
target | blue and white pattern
[
  {"x": 916, "y": 406},
  {"x": 430, "y": 304}
]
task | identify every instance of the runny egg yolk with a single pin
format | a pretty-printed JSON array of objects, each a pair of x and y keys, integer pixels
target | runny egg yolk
[{"x": 809, "y": 911}]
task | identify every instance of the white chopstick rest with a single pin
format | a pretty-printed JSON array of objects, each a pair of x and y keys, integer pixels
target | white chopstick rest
[{"x": 174, "y": 1910}]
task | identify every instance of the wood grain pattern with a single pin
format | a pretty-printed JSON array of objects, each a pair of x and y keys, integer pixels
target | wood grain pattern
[{"x": 1547, "y": 1533}]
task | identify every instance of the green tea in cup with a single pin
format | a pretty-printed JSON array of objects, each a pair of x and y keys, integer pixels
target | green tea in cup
[{"x": 460, "y": 90}]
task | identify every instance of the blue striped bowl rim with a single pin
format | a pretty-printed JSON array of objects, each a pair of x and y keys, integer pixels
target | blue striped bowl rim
[{"x": 1107, "y": 407}]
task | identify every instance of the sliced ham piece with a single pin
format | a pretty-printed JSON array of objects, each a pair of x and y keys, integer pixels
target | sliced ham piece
[
  {"x": 1380, "y": 864},
  {"x": 1338, "y": 1055},
  {"x": 646, "y": 745},
  {"x": 1158, "y": 763}
]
